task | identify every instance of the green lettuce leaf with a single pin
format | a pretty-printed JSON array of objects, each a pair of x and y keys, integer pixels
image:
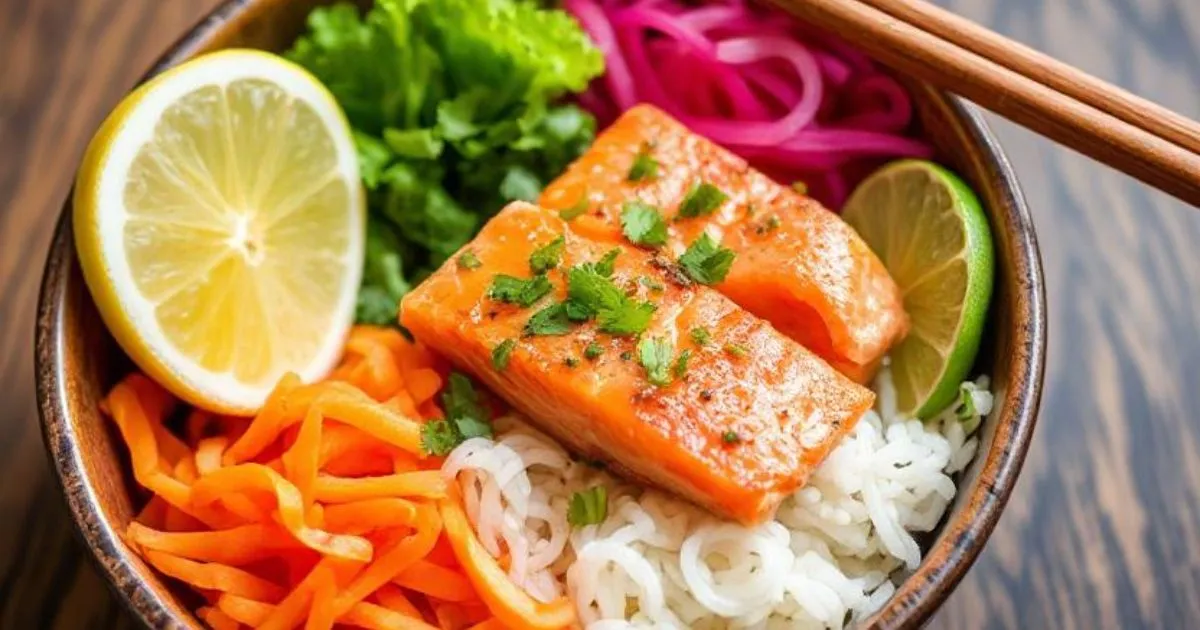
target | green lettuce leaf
[{"x": 455, "y": 110}]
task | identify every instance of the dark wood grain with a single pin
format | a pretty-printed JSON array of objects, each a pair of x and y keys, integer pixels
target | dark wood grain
[
  {"x": 1104, "y": 528},
  {"x": 63, "y": 64}
]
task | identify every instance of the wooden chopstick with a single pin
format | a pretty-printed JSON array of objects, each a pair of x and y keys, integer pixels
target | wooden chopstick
[
  {"x": 1046, "y": 70},
  {"x": 918, "y": 51}
]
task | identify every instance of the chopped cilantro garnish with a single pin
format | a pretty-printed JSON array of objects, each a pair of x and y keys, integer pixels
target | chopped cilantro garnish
[
  {"x": 645, "y": 167},
  {"x": 700, "y": 336},
  {"x": 655, "y": 355},
  {"x": 652, "y": 284},
  {"x": 550, "y": 321},
  {"x": 468, "y": 260},
  {"x": 575, "y": 211},
  {"x": 627, "y": 355},
  {"x": 705, "y": 261},
  {"x": 629, "y": 320},
  {"x": 737, "y": 350},
  {"x": 770, "y": 225},
  {"x": 731, "y": 437},
  {"x": 470, "y": 427},
  {"x": 439, "y": 437},
  {"x": 964, "y": 407},
  {"x": 570, "y": 362},
  {"x": 701, "y": 200},
  {"x": 680, "y": 368},
  {"x": 578, "y": 311},
  {"x": 591, "y": 294},
  {"x": 643, "y": 224},
  {"x": 465, "y": 418},
  {"x": 606, "y": 265},
  {"x": 593, "y": 351},
  {"x": 519, "y": 291},
  {"x": 460, "y": 401},
  {"x": 589, "y": 507},
  {"x": 547, "y": 256},
  {"x": 502, "y": 352}
]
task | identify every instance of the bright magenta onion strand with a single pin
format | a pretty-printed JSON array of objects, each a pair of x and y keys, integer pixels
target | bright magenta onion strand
[{"x": 795, "y": 102}]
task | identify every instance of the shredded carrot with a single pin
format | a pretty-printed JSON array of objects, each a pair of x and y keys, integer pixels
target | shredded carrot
[
  {"x": 357, "y": 409},
  {"x": 451, "y": 616},
  {"x": 184, "y": 470},
  {"x": 436, "y": 581},
  {"x": 374, "y": 617},
  {"x": 216, "y": 577},
  {"x": 383, "y": 375},
  {"x": 507, "y": 601},
  {"x": 361, "y": 517},
  {"x": 361, "y": 465},
  {"x": 208, "y": 454},
  {"x": 289, "y": 612},
  {"x": 217, "y": 619},
  {"x": 428, "y": 484},
  {"x": 153, "y": 513},
  {"x": 177, "y": 521},
  {"x": 242, "y": 610},
  {"x": 490, "y": 624},
  {"x": 403, "y": 403},
  {"x": 339, "y": 440},
  {"x": 322, "y": 510},
  {"x": 303, "y": 459},
  {"x": 322, "y": 617},
  {"x": 443, "y": 554},
  {"x": 252, "y": 478},
  {"x": 394, "y": 598},
  {"x": 423, "y": 384},
  {"x": 237, "y": 546},
  {"x": 402, "y": 554}
]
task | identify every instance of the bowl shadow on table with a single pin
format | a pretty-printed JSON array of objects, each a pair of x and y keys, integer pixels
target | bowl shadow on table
[{"x": 77, "y": 360}]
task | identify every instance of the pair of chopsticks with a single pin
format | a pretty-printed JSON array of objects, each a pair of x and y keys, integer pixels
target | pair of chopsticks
[{"x": 1133, "y": 135}]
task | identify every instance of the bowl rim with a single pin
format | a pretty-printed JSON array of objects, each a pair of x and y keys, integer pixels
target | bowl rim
[{"x": 915, "y": 601}]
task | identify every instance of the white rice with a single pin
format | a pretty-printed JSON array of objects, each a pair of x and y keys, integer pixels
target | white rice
[{"x": 829, "y": 557}]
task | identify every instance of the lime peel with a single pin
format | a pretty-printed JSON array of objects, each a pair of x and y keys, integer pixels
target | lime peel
[{"x": 930, "y": 231}]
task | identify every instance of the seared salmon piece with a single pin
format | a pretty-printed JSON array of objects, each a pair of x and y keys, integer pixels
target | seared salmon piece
[
  {"x": 739, "y": 427},
  {"x": 799, "y": 266}
]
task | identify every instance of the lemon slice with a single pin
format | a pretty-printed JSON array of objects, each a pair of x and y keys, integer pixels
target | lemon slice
[
  {"x": 928, "y": 228},
  {"x": 220, "y": 221}
]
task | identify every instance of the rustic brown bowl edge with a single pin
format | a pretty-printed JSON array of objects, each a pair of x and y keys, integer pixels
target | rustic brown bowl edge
[
  {"x": 965, "y": 531},
  {"x": 960, "y": 539}
]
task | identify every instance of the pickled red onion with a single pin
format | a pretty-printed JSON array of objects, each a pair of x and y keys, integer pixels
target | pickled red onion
[{"x": 793, "y": 101}]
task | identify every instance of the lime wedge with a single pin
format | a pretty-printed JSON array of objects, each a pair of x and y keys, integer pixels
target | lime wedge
[{"x": 929, "y": 230}]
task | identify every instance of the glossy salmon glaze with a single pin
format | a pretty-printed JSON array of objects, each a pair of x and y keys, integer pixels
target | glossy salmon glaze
[
  {"x": 737, "y": 433},
  {"x": 799, "y": 266}
]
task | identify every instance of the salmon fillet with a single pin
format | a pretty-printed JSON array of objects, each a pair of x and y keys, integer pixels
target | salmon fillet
[
  {"x": 744, "y": 426},
  {"x": 799, "y": 266}
]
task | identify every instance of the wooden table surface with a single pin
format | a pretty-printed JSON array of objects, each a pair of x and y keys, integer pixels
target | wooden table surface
[{"x": 1103, "y": 530}]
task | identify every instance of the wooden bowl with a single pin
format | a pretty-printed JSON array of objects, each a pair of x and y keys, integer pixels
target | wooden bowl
[{"x": 77, "y": 360}]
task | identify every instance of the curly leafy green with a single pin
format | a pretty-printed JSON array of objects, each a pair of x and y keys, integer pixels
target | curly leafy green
[{"x": 455, "y": 110}]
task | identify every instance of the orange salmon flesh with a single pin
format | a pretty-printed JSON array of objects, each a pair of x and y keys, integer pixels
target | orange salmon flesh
[
  {"x": 736, "y": 433},
  {"x": 798, "y": 265}
]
